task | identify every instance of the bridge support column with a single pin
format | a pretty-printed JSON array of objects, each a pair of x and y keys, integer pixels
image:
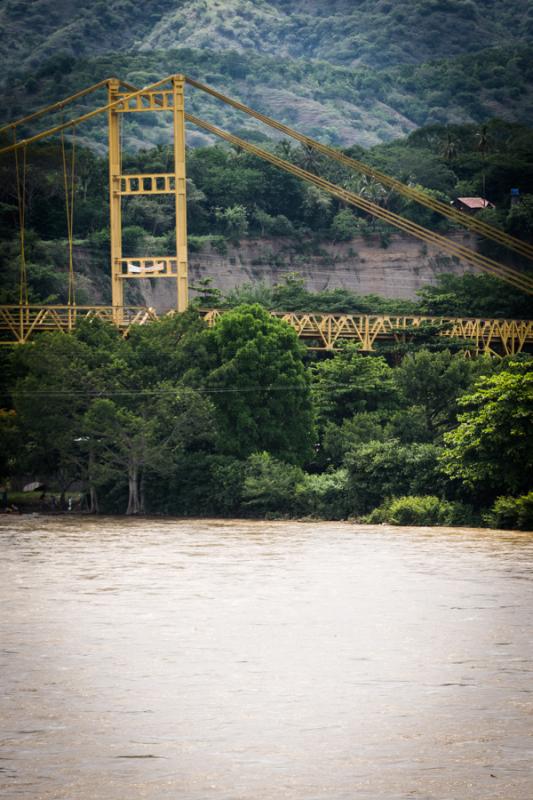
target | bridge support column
[
  {"x": 178, "y": 84},
  {"x": 115, "y": 205}
]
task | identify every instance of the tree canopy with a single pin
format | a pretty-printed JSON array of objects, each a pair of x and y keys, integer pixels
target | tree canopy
[
  {"x": 262, "y": 389},
  {"x": 492, "y": 446},
  {"x": 183, "y": 419}
]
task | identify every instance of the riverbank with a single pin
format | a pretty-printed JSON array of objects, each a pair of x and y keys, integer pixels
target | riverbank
[{"x": 38, "y": 513}]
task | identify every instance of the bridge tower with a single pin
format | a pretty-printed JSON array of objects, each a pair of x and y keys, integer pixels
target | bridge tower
[{"x": 165, "y": 97}]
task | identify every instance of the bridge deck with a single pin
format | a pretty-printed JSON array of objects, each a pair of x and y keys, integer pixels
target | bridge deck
[{"x": 321, "y": 331}]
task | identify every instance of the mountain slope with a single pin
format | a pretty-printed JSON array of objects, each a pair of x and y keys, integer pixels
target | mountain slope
[
  {"x": 334, "y": 104},
  {"x": 346, "y": 72},
  {"x": 377, "y": 34}
]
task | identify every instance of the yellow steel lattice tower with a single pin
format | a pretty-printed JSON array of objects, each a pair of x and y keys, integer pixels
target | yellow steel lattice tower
[{"x": 168, "y": 96}]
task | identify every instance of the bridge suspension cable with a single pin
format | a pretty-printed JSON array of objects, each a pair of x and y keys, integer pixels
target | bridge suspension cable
[
  {"x": 21, "y": 203},
  {"x": 53, "y": 106},
  {"x": 474, "y": 224},
  {"x": 470, "y": 222},
  {"x": 515, "y": 278},
  {"x": 83, "y": 118},
  {"x": 69, "y": 187}
]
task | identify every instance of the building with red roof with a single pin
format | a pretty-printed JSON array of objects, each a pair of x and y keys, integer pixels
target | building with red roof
[{"x": 472, "y": 204}]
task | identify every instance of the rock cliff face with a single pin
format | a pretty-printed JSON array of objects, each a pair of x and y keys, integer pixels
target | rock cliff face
[{"x": 362, "y": 265}]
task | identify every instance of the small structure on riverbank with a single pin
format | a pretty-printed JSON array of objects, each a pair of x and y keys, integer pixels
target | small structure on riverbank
[{"x": 472, "y": 205}]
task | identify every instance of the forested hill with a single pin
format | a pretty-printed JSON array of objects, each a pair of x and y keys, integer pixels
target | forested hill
[
  {"x": 345, "y": 32},
  {"x": 344, "y": 71}
]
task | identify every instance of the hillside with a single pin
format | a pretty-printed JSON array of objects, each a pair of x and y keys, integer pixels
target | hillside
[
  {"x": 377, "y": 34},
  {"x": 346, "y": 72},
  {"x": 337, "y": 105}
]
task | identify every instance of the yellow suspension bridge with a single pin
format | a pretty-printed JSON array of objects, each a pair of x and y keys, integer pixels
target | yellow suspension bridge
[{"x": 18, "y": 323}]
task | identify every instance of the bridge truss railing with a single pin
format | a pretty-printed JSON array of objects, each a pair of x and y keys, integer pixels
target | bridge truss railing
[
  {"x": 19, "y": 323},
  {"x": 319, "y": 331},
  {"x": 323, "y": 331}
]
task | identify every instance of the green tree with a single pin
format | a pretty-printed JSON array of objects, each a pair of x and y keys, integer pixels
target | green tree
[
  {"x": 128, "y": 443},
  {"x": 363, "y": 427},
  {"x": 379, "y": 470},
  {"x": 208, "y": 296},
  {"x": 261, "y": 386},
  {"x": 345, "y": 225},
  {"x": 519, "y": 221},
  {"x": 50, "y": 401},
  {"x": 434, "y": 381},
  {"x": 492, "y": 446},
  {"x": 10, "y": 442},
  {"x": 234, "y": 220},
  {"x": 350, "y": 382},
  {"x": 473, "y": 295}
]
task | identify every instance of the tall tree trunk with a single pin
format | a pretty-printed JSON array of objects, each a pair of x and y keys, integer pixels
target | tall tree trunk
[
  {"x": 143, "y": 492},
  {"x": 93, "y": 500},
  {"x": 93, "y": 497},
  {"x": 134, "y": 504}
]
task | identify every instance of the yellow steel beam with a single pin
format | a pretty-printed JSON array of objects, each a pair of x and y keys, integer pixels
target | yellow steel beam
[
  {"x": 322, "y": 331},
  {"x": 148, "y": 183},
  {"x": 19, "y": 323},
  {"x": 158, "y": 100},
  {"x": 180, "y": 187},
  {"x": 327, "y": 331},
  {"x": 517, "y": 279},
  {"x": 472, "y": 223},
  {"x": 154, "y": 267},
  {"x": 54, "y": 106},
  {"x": 115, "y": 207},
  {"x": 83, "y": 118}
]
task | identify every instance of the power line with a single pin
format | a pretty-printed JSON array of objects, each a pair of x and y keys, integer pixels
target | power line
[{"x": 164, "y": 392}]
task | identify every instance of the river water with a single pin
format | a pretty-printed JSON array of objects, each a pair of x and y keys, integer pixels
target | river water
[{"x": 238, "y": 660}]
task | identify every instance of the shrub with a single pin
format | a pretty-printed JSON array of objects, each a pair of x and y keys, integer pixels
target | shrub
[
  {"x": 100, "y": 240},
  {"x": 512, "y": 512},
  {"x": 281, "y": 226},
  {"x": 345, "y": 225},
  {"x": 414, "y": 510},
  {"x": 270, "y": 484},
  {"x": 324, "y": 495},
  {"x": 378, "y": 470},
  {"x": 132, "y": 239},
  {"x": 219, "y": 245}
]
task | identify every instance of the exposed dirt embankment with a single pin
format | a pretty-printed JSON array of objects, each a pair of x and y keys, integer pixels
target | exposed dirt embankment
[{"x": 362, "y": 265}]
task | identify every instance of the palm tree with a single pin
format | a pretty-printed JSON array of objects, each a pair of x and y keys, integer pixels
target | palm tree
[
  {"x": 370, "y": 189},
  {"x": 483, "y": 145},
  {"x": 285, "y": 149},
  {"x": 449, "y": 150},
  {"x": 308, "y": 159}
]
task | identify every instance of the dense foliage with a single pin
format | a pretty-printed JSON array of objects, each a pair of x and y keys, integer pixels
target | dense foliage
[
  {"x": 370, "y": 32},
  {"x": 238, "y": 419}
]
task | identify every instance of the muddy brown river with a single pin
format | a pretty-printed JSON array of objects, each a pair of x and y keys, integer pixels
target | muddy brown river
[{"x": 237, "y": 660}]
